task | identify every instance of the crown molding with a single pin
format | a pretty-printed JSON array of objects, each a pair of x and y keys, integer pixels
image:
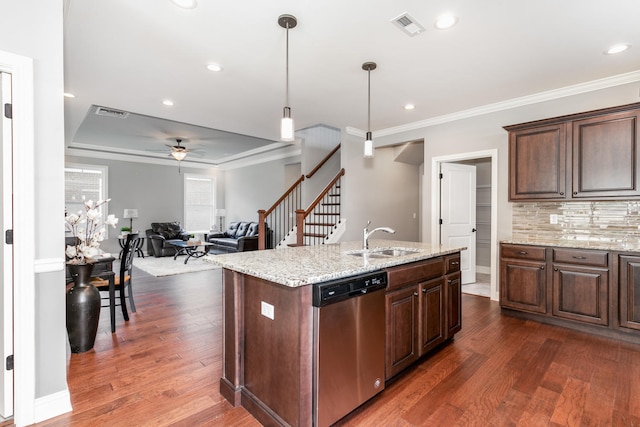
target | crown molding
[{"x": 607, "y": 82}]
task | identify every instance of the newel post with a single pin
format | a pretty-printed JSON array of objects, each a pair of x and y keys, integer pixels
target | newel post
[
  {"x": 300, "y": 227},
  {"x": 262, "y": 236}
]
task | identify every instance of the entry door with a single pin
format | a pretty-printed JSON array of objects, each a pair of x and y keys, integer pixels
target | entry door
[
  {"x": 458, "y": 214},
  {"x": 6, "y": 255}
]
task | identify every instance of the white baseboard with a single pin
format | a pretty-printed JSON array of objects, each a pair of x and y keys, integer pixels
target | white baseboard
[
  {"x": 52, "y": 405},
  {"x": 483, "y": 270}
]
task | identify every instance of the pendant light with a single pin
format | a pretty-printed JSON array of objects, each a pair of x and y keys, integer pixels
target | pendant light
[
  {"x": 368, "y": 142},
  {"x": 286, "y": 126}
]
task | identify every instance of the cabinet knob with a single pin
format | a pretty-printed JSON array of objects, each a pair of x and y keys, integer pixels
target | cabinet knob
[
  {"x": 579, "y": 257},
  {"x": 415, "y": 294},
  {"x": 575, "y": 193},
  {"x": 555, "y": 269},
  {"x": 424, "y": 290},
  {"x": 562, "y": 193},
  {"x": 523, "y": 252},
  {"x": 455, "y": 262},
  {"x": 542, "y": 267},
  {"x": 449, "y": 281}
]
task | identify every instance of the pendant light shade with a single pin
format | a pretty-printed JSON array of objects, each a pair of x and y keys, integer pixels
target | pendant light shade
[
  {"x": 368, "y": 142},
  {"x": 286, "y": 126}
]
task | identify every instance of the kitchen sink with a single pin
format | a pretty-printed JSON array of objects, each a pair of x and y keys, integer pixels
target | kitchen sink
[{"x": 383, "y": 253}]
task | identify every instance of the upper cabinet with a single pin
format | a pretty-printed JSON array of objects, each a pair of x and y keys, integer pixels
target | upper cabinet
[{"x": 587, "y": 156}]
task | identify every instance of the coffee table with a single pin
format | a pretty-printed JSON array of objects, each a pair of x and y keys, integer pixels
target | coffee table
[{"x": 191, "y": 249}]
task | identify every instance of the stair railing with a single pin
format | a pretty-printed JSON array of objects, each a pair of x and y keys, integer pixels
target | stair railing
[
  {"x": 326, "y": 212},
  {"x": 278, "y": 217},
  {"x": 323, "y": 161}
]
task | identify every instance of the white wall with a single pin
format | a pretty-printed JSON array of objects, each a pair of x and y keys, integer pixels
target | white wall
[
  {"x": 317, "y": 142},
  {"x": 33, "y": 28},
  {"x": 381, "y": 190}
]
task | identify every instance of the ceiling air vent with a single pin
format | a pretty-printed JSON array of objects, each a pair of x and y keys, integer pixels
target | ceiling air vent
[
  {"x": 110, "y": 112},
  {"x": 407, "y": 24}
]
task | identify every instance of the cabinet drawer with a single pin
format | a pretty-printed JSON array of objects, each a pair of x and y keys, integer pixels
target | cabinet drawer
[
  {"x": 414, "y": 272},
  {"x": 533, "y": 253},
  {"x": 582, "y": 257},
  {"x": 451, "y": 264}
]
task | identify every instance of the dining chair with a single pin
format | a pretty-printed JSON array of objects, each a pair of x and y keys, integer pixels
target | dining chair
[{"x": 121, "y": 282}]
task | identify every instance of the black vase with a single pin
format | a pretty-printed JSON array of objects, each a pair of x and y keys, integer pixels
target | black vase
[{"x": 83, "y": 309}]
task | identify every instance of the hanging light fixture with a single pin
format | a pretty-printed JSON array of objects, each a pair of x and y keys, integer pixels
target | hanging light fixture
[
  {"x": 368, "y": 142},
  {"x": 286, "y": 126}
]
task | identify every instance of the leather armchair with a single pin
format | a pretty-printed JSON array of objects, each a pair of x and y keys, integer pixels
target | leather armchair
[{"x": 160, "y": 236}]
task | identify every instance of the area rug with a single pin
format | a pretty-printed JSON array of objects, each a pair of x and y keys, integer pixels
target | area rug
[{"x": 167, "y": 266}]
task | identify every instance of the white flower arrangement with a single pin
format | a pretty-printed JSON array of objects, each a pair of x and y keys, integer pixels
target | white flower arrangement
[{"x": 88, "y": 231}]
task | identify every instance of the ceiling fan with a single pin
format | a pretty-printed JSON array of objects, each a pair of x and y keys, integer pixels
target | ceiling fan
[{"x": 178, "y": 152}]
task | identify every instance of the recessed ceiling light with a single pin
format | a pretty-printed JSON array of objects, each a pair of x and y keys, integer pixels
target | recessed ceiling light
[
  {"x": 446, "y": 21},
  {"x": 214, "y": 67},
  {"x": 619, "y": 48},
  {"x": 69, "y": 95},
  {"x": 409, "y": 107},
  {"x": 168, "y": 102},
  {"x": 185, "y": 4}
]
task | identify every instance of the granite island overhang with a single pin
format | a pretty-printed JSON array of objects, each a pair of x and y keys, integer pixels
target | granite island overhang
[{"x": 268, "y": 357}]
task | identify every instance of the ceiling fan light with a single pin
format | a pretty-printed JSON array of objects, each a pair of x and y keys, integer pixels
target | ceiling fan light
[{"x": 179, "y": 155}]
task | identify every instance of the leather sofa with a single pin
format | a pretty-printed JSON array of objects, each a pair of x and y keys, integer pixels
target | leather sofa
[
  {"x": 240, "y": 236},
  {"x": 160, "y": 236}
]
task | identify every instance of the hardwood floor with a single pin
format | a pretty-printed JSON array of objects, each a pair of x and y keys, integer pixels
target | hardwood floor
[{"x": 163, "y": 366}]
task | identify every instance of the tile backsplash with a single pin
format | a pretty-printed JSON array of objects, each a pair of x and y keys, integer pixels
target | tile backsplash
[{"x": 614, "y": 222}]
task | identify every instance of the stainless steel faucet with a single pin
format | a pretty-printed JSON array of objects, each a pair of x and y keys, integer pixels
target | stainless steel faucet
[{"x": 366, "y": 233}]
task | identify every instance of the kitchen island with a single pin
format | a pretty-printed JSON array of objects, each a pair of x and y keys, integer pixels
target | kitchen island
[{"x": 268, "y": 349}]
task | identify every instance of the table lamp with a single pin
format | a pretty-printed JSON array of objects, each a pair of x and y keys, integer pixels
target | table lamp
[
  {"x": 221, "y": 213},
  {"x": 130, "y": 213}
]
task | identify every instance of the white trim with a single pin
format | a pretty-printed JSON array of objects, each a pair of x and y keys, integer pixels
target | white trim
[
  {"x": 435, "y": 204},
  {"x": 607, "y": 82},
  {"x": 21, "y": 69},
  {"x": 48, "y": 265},
  {"x": 51, "y": 405}
]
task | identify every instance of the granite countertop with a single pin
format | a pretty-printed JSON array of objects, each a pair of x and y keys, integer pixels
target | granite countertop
[
  {"x": 617, "y": 246},
  {"x": 299, "y": 266}
]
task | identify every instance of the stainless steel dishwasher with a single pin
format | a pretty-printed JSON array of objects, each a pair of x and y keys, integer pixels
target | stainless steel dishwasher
[{"x": 349, "y": 344}]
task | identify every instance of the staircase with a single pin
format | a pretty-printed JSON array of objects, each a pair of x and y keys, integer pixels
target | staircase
[{"x": 320, "y": 222}]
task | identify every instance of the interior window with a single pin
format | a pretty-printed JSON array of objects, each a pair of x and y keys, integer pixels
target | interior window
[{"x": 89, "y": 181}]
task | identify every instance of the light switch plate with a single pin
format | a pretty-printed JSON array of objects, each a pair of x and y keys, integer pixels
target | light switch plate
[{"x": 267, "y": 310}]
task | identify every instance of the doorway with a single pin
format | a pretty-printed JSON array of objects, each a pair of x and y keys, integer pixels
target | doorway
[{"x": 486, "y": 208}]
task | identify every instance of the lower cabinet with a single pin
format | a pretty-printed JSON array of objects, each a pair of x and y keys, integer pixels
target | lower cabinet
[
  {"x": 629, "y": 292},
  {"x": 423, "y": 309},
  {"x": 581, "y": 293},
  {"x": 588, "y": 289},
  {"x": 523, "y": 278}
]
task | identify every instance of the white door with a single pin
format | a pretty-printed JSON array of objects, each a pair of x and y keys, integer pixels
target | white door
[
  {"x": 458, "y": 214},
  {"x": 6, "y": 255}
]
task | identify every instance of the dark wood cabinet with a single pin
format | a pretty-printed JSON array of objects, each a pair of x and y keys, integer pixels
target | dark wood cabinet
[
  {"x": 537, "y": 160},
  {"x": 432, "y": 309},
  {"x": 423, "y": 309},
  {"x": 586, "y": 156},
  {"x": 629, "y": 292},
  {"x": 523, "y": 278},
  {"x": 402, "y": 329},
  {"x": 605, "y": 156},
  {"x": 581, "y": 293}
]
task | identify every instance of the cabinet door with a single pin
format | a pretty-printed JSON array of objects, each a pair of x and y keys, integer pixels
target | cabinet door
[
  {"x": 454, "y": 304},
  {"x": 537, "y": 163},
  {"x": 606, "y": 156},
  {"x": 432, "y": 320},
  {"x": 581, "y": 293},
  {"x": 523, "y": 285},
  {"x": 629, "y": 296},
  {"x": 402, "y": 329}
]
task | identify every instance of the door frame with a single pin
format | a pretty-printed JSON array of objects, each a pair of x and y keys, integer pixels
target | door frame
[
  {"x": 21, "y": 70},
  {"x": 435, "y": 204}
]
